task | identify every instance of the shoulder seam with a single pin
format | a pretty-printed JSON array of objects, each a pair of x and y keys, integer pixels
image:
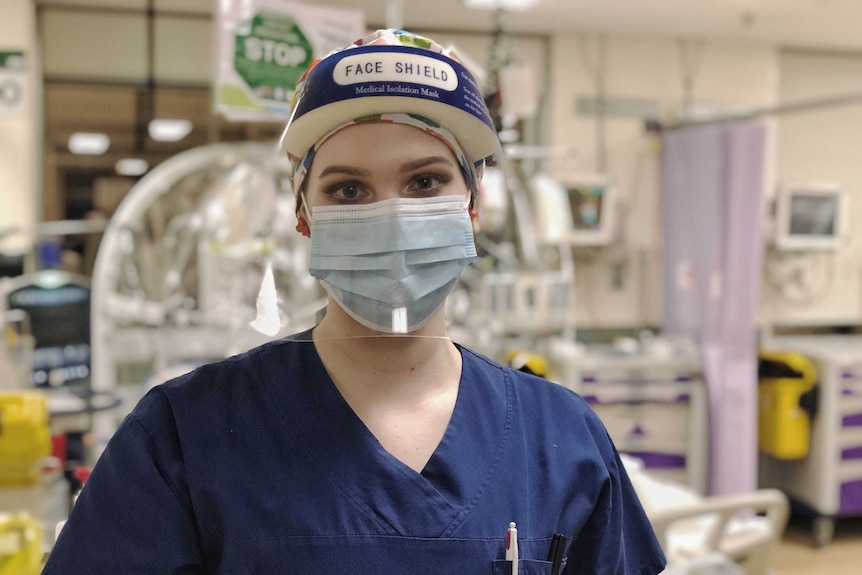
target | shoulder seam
[{"x": 174, "y": 488}]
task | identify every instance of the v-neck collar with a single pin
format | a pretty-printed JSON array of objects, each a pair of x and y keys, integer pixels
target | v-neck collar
[{"x": 400, "y": 500}]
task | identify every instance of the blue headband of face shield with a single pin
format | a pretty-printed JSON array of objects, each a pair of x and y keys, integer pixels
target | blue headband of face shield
[{"x": 375, "y": 79}]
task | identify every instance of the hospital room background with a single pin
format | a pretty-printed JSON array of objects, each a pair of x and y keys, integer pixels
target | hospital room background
[{"x": 670, "y": 232}]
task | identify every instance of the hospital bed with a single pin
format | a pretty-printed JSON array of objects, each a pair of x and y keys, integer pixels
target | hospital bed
[{"x": 697, "y": 532}]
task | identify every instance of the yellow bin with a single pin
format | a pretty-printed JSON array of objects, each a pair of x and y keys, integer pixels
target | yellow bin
[
  {"x": 21, "y": 544},
  {"x": 784, "y": 425},
  {"x": 25, "y": 437}
]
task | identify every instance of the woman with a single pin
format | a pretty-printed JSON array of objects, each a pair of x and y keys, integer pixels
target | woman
[{"x": 371, "y": 443}]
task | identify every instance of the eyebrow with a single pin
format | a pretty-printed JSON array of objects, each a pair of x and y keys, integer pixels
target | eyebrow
[
  {"x": 348, "y": 170},
  {"x": 423, "y": 162}
]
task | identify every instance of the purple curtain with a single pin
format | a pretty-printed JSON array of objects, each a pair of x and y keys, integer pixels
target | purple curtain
[{"x": 712, "y": 251}]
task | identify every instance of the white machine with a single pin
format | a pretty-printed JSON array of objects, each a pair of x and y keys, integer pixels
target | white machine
[
  {"x": 178, "y": 271},
  {"x": 827, "y": 482},
  {"x": 522, "y": 287}
]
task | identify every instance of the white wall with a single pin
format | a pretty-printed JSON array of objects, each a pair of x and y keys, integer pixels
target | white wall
[
  {"x": 20, "y": 143},
  {"x": 823, "y": 145},
  {"x": 621, "y": 287},
  {"x": 105, "y": 46}
]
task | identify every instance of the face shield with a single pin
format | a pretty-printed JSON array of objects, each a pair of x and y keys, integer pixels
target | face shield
[{"x": 391, "y": 71}]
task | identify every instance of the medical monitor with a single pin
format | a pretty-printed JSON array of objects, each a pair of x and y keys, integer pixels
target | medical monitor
[
  {"x": 578, "y": 209},
  {"x": 810, "y": 217},
  {"x": 57, "y": 308}
]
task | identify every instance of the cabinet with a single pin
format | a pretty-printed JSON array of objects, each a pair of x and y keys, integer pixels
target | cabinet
[
  {"x": 827, "y": 481},
  {"x": 654, "y": 407}
]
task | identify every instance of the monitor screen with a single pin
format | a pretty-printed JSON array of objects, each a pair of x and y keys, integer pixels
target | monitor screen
[
  {"x": 813, "y": 214},
  {"x": 586, "y": 204},
  {"x": 810, "y": 217}
]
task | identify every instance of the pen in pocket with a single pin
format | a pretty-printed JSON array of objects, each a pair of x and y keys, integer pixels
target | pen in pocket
[
  {"x": 512, "y": 547},
  {"x": 556, "y": 553}
]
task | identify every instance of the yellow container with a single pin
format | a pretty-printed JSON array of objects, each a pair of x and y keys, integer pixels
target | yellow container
[
  {"x": 784, "y": 426},
  {"x": 528, "y": 361},
  {"x": 21, "y": 549},
  {"x": 25, "y": 437}
]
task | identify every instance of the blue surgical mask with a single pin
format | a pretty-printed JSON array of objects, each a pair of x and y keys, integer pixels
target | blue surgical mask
[{"x": 391, "y": 264}]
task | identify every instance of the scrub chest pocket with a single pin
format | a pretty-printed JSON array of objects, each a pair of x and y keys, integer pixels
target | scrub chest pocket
[
  {"x": 372, "y": 553},
  {"x": 525, "y": 567}
]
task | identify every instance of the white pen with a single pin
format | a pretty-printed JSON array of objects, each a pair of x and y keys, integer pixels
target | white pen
[{"x": 512, "y": 547}]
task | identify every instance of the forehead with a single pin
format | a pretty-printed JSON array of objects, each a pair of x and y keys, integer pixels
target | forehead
[{"x": 377, "y": 142}]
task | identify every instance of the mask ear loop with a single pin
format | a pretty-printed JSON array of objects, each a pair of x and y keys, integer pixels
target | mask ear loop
[{"x": 302, "y": 223}]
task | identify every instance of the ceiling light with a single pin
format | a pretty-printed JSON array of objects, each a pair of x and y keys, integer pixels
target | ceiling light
[
  {"x": 516, "y": 5},
  {"x": 89, "y": 143},
  {"x": 132, "y": 167},
  {"x": 163, "y": 130}
]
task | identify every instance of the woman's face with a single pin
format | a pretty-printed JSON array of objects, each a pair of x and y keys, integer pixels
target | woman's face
[{"x": 366, "y": 163}]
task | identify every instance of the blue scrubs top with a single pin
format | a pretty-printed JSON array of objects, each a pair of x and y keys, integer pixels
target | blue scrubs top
[{"x": 256, "y": 464}]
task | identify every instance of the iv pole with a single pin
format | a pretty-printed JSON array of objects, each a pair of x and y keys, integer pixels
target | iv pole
[{"x": 790, "y": 108}]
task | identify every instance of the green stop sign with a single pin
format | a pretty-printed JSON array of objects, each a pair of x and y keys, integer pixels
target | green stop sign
[{"x": 271, "y": 53}]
